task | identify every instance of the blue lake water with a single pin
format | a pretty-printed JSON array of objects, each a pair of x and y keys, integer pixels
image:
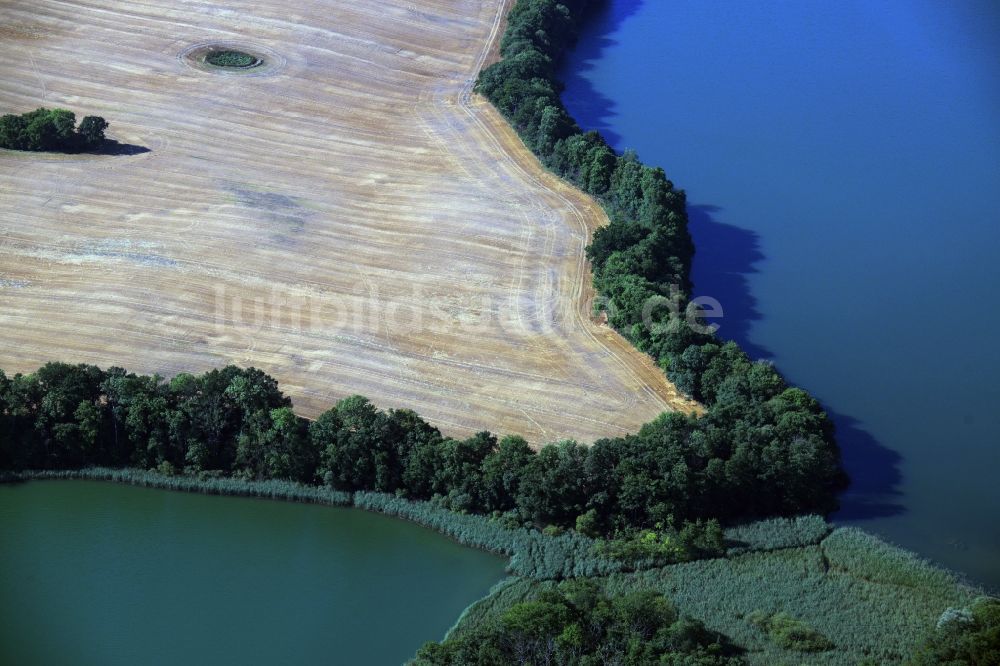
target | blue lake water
[{"x": 842, "y": 162}]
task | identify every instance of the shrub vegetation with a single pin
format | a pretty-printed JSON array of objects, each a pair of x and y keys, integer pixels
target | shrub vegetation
[
  {"x": 577, "y": 623},
  {"x": 665, "y": 544},
  {"x": 232, "y": 59},
  {"x": 790, "y": 633},
  {"x": 867, "y": 620},
  {"x": 969, "y": 635}
]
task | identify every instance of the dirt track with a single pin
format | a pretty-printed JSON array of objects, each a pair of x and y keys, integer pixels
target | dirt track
[{"x": 349, "y": 218}]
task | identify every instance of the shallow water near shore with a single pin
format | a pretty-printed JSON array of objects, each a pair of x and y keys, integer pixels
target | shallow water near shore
[
  {"x": 99, "y": 573},
  {"x": 842, "y": 163}
]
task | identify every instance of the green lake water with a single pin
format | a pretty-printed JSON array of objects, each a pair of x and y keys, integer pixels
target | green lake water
[{"x": 98, "y": 573}]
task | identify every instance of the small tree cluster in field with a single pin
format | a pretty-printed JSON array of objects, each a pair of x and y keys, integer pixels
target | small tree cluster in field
[
  {"x": 577, "y": 623},
  {"x": 233, "y": 59},
  {"x": 51, "y": 130}
]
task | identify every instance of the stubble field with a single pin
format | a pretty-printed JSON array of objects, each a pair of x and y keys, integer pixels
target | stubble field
[{"x": 348, "y": 217}]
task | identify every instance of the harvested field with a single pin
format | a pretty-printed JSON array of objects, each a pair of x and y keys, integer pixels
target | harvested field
[{"x": 346, "y": 216}]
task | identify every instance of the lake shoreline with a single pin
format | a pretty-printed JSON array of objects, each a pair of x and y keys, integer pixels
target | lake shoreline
[
  {"x": 530, "y": 553},
  {"x": 827, "y": 558},
  {"x": 222, "y": 487},
  {"x": 117, "y": 567},
  {"x": 756, "y": 138}
]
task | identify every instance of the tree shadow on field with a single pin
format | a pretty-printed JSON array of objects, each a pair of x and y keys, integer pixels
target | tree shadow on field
[
  {"x": 726, "y": 256},
  {"x": 112, "y": 147},
  {"x": 591, "y": 109}
]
